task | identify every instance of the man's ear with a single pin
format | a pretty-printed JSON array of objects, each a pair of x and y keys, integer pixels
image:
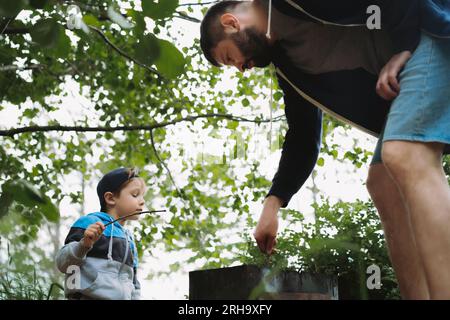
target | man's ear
[
  {"x": 230, "y": 23},
  {"x": 110, "y": 199}
]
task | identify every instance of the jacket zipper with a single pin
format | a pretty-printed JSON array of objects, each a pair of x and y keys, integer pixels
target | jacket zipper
[
  {"x": 296, "y": 6},
  {"x": 322, "y": 107}
]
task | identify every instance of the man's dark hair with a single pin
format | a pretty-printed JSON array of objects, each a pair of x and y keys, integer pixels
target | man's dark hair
[{"x": 211, "y": 31}]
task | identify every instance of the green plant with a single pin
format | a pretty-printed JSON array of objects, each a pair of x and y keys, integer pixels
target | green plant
[
  {"x": 344, "y": 240},
  {"x": 18, "y": 285},
  {"x": 21, "y": 287},
  {"x": 22, "y": 278}
]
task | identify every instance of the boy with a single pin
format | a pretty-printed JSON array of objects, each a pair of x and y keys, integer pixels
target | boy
[{"x": 100, "y": 262}]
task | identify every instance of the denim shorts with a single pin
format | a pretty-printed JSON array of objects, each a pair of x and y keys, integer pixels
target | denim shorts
[{"x": 421, "y": 112}]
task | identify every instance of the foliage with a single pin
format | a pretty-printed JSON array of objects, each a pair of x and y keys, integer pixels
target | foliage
[
  {"x": 20, "y": 287},
  {"x": 131, "y": 74},
  {"x": 22, "y": 278},
  {"x": 344, "y": 240}
]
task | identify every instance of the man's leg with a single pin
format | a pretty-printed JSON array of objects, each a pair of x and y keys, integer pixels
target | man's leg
[
  {"x": 398, "y": 233},
  {"x": 417, "y": 170}
]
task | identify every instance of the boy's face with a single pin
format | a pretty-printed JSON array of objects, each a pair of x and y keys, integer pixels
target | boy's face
[{"x": 131, "y": 199}]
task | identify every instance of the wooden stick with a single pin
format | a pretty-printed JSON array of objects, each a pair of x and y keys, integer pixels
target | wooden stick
[{"x": 133, "y": 214}]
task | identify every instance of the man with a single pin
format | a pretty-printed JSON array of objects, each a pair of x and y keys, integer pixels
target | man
[{"x": 327, "y": 60}]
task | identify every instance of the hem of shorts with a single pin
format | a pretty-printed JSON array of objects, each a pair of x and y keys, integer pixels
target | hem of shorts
[{"x": 417, "y": 139}]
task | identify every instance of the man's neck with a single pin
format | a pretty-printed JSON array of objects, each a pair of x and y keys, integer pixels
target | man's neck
[{"x": 260, "y": 13}]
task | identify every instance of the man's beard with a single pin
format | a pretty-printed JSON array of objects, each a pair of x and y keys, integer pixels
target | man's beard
[{"x": 254, "y": 46}]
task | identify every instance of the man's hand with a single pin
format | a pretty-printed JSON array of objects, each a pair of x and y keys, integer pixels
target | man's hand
[
  {"x": 387, "y": 86},
  {"x": 266, "y": 230},
  {"x": 92, "y": 234}
]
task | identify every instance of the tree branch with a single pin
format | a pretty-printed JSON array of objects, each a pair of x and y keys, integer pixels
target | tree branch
[
  {"x": 12, "y": 31},
  {"x": 122, "y": 53},
  {"x": 14, "y": 67},
  {"x": 184, "y": 16},
  {"x": 198, "y": 3},
  {"x": 152, "y": 140},
  {"x": 102, "y": 35},
  {"x": 12, "y": 132}
]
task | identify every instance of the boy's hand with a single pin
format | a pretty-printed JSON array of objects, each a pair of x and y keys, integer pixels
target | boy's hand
[
  {"x": 266, "y": 230},
  {"x": 387, "y": 86},
  {"x": 93, "y": 233}
]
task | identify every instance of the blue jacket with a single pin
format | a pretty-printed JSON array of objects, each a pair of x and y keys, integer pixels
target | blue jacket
[
  {"x": 436, "y": 17},
  {"x": 105, "y": 271},
  {"x": 348, "y": 95}
]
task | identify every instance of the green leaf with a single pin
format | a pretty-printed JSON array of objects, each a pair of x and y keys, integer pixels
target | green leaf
[
  {"x": 62, "y": 48},
  {"x": 25, "y": 238},
  {"x": 171, "y": 61},
  {"x": 159, "y": 9},
  {"x": 9, "y": 8},
  {"x": 320, "y": 162},
  {"x": 51, "y": 35},
  {"x": 46, "y": 33},
  {"x": 232, "y": 125},
  {"x": 6, "y": 200},
  {"x": 30, "y": 113},
  {"x": 24, "y": 192},
  {"x": 139, "y": 21},
  {"x": 147, "y": 50},
  {"x": 50, "y": 211},
  {"x": 277, "y": 96},
  {"x": 320, "y": 244},
  {"x": 245, "y": 102},
  {"x": 334, "y": 153},
  {"x": 91, "y": 20}
]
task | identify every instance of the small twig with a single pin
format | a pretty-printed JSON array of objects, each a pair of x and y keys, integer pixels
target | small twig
[
  {"x": 7, "y": 23},
  {"x": 163, "y": 164},
  {"x": 122, "y": 53},
  {"x": 198, "y": 3},
  {"x": 184, "y": 16},
  {"x": 133, "y": 214}
]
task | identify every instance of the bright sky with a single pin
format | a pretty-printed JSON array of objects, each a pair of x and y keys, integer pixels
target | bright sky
[{"x": 335, "y": 180}]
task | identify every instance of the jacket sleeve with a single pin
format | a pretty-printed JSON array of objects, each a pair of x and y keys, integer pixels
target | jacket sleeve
[
  {"x": 301, "y": 145},
  {"x": 74, "y": 251}
]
